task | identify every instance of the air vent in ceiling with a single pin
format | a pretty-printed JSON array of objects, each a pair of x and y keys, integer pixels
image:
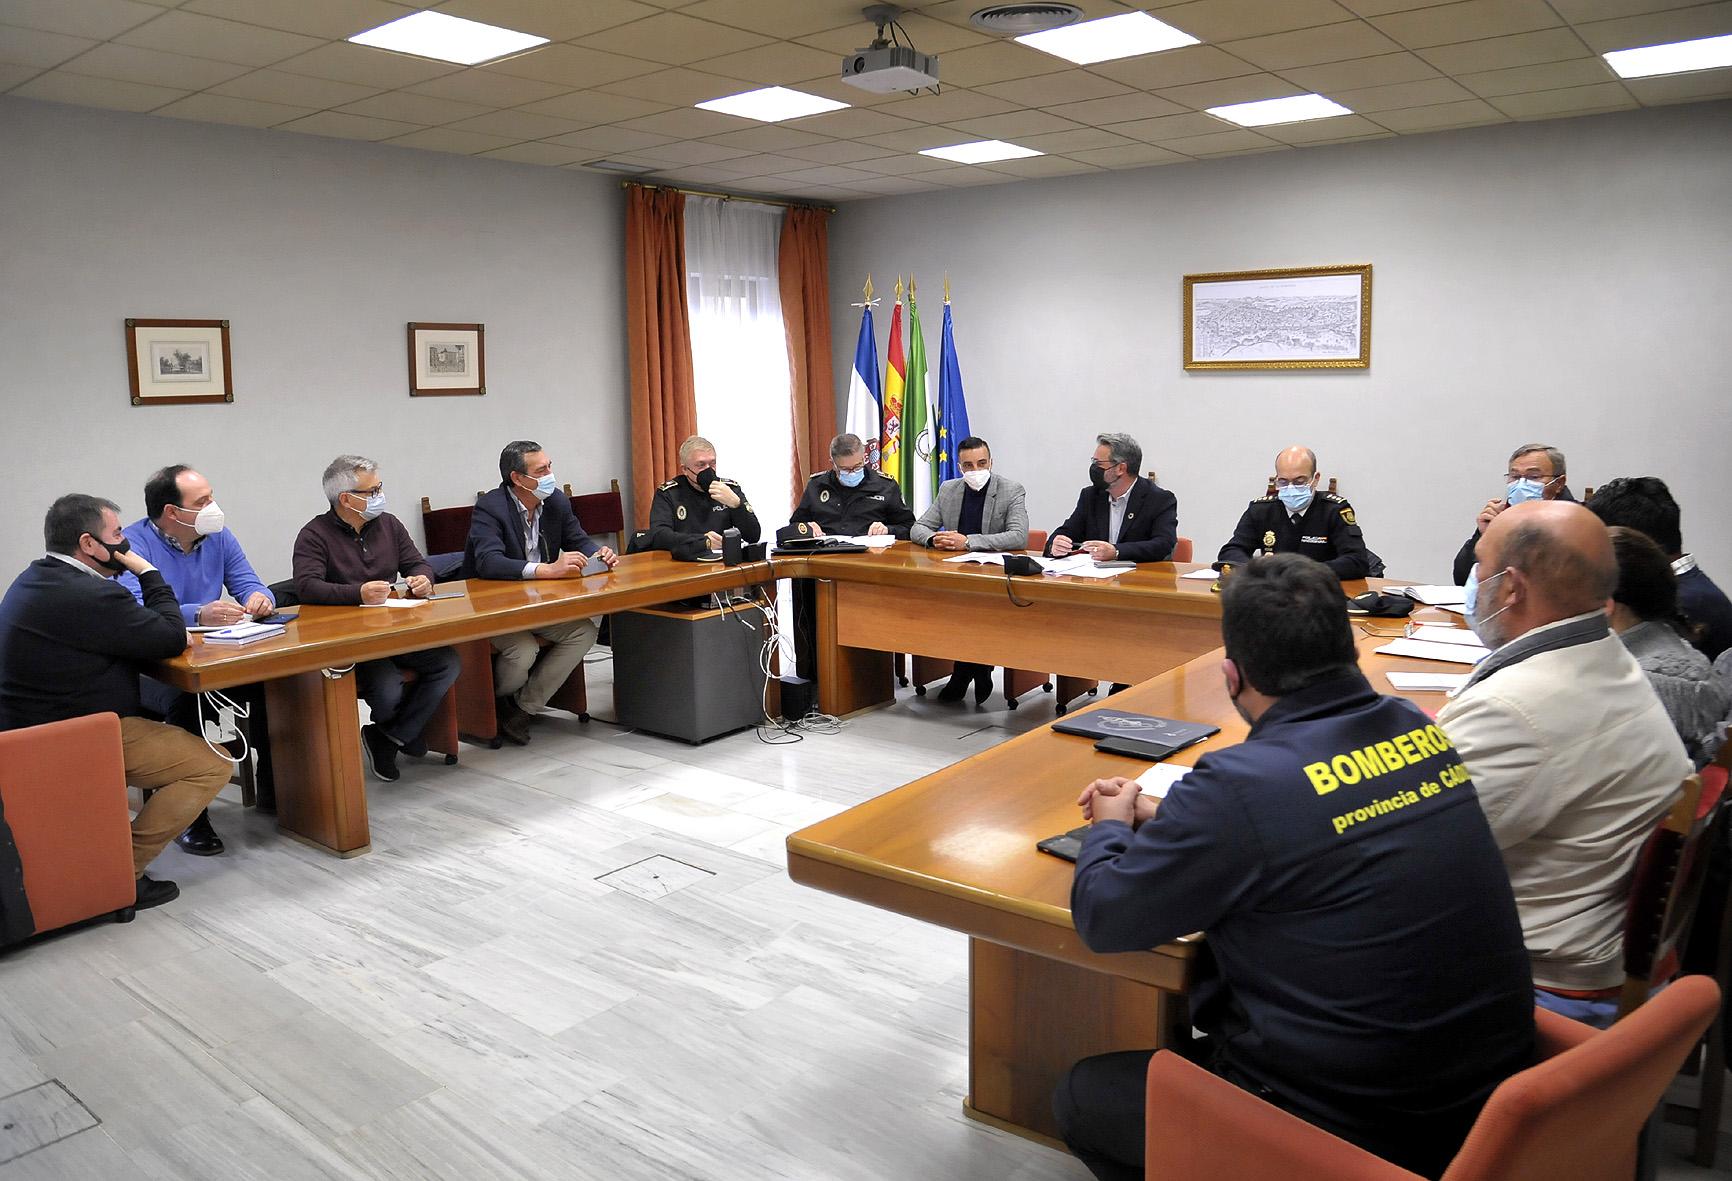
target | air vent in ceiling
[{"x": 1015, "y": 20}]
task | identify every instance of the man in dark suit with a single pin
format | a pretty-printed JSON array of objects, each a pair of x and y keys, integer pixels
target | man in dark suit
[
  {"x": 525, "y": 529},
  {"x": 1120, "y": 516},
  {"x": 1536, "y": 472},
  {"x": 72, "y": 641}
]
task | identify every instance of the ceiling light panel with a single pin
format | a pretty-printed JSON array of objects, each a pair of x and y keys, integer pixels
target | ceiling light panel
[
  {"x": 772, "y": 104},
  {"x": 982, "y": 151},
  {"x": 1266, "y": 112},
  {"x": 447, "y": 38},
  {"x": 1679, "y": 57},
  {"x": 1131, "y": 34}
]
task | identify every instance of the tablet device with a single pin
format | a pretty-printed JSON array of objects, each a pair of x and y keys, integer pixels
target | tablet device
[
  {"x": 1114, "y": 723},
  {"x": 1136, "y": 748}
]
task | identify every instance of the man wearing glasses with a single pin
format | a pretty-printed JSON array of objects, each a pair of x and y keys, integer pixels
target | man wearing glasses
[
  {"x": 1296, "y": 520},
  {"x": 1120, "y": 516},
  {"x": 850, "y": 499},
  {"x": 690, "y": 511},
  {"x": 353, "y": 555},
  {"x": 1536, "y": 472}
]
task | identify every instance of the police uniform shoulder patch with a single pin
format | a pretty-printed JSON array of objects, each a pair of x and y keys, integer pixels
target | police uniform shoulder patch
[
  {"x": 1336, "y": 497},
  {"x": 1347, "y": 514},
  {"x": 1269, "y": 539},
  {"x": 824, "y": 495},
  {"x": 1269, "y": 499},
  {"x": 680, "y": 512}
]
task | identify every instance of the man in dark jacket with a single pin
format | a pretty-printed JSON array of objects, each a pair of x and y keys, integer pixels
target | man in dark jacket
[
  {"x": 849, "y": 499},
  {"x": 1358, "y": 915},
  {"x": 353, "y": 556},
  {"x": 690, "y": 511},
  {"x": 1297, "y": 519},
  {"x": 72, "y": 642},
  {"x": 1121, "y": 515},
  {"x": 525, "y": 529},
  {"x": 1536, "y": 472}
]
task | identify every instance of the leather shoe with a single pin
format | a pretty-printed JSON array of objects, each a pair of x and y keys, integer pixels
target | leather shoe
[
  {"x": 513, "y": 722},
  {"x": 154, "y": 893},
  {"x": 983, "y": 684},
  {"x": 955, "y": 687},
  {"x": 381, "y": 753},
  {"x": 200, "y": 839}
]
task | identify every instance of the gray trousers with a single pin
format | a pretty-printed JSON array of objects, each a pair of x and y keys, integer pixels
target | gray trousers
[{"x": 524, "y": 670}]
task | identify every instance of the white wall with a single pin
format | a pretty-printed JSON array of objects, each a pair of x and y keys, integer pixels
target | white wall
[
  {"x": 318, "y": 252},
  {"x": 1563, "y": 281}
]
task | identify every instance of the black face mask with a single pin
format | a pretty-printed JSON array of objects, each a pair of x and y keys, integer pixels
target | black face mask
[
  {"x": 1097, "y": 477},
  {"x": 706, "y": 478},
  {"x": 112, "y": 562}
]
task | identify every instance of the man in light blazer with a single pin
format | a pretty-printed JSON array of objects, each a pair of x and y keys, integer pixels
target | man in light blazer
[{"x": 980, "y": 511}]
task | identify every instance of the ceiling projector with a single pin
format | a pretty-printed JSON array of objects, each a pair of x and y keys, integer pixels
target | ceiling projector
[{"x": 887, "y": 65}]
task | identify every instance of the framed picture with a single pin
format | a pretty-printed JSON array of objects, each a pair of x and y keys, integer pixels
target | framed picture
[
  {"x": 175, "y": 362},
  {"x": 1297, "y": 318},
  {"x": 447, "y": 359}
]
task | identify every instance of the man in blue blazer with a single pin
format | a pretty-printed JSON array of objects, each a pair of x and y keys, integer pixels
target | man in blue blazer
[
  {"x": 1120, "y": 516},
  {"x": 525, "y": 529}
]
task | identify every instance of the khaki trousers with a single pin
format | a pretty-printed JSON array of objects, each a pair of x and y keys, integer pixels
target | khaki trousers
[
  {"x": 523, "y": 668},
  {"x": 182, "y": 774}
]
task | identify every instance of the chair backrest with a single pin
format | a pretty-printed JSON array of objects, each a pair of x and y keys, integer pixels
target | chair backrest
[
  {"x": 1037, "y": 541},
  {"x": 445, "y": 530},
  {"x": 1334, "y": 488},
  {"x": 1576, "y": 1116},
  {"x": 1183, "y": 548},
  {"x": 599, "y": 512},
  {"x": 1663, "y": 892}
]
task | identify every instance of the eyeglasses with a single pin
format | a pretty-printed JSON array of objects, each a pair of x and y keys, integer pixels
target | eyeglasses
[
  {"x": 1530, "y": 474},
  {"x": 1284, "y": 483},
  {"x": 369, "y": 492}
]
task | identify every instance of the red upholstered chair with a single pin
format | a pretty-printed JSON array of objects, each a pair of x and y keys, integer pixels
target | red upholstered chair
[
  {"x": 63, "y": 789},
  {"x": 1664, "y": 889},
  {"x": 1574, "y": 1116},
  {"x": 1183, "y": 548},
  {"x": 440, "y": 732},
  {"x": 601, "y": 513},
  {"x": 445, "y": 530}
]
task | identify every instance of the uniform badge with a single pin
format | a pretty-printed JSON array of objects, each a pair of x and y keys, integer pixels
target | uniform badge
[
  {"x": 1130, "y": 516},
  {"x": 824, "y": 494},
  {"x": 1347, "y": 516},
  {"x": 680, "y": 512},
  {"x": 747, "y": 505},
  {"x": 1269, "y": 539}
]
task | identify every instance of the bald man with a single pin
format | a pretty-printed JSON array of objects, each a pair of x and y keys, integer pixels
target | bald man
[
  {"x": 1296, "y": 520},
  {"x": 1570, "y": 751}
]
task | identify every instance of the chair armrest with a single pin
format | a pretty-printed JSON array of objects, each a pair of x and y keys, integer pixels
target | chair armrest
[
  {"x": 1201, "y": 1126},
  {"x": 1554, "y": 1033}
]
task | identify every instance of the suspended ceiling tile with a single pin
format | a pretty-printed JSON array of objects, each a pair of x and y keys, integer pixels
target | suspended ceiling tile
[
  {"x": 1175, "y": 67},
  {"x": 957, "y": 12},
  {"x": 1049, "y": 90},
  {"x": 1170, "y": 127},
  {"x": 1470, "y": 20},
  {"x": 517, "y": 125},
  {"x": 330, "y": 19},
  {"x": 98, "y": 20},
  {"x": 673, "y": 39},
  {"x": 1401, "y": 95},
  {"x": 243, "y": 112},
  {"x": 924, "y": 34},
  {"x": 611, "y": 139},
  {"x": 830, "y": 174},
  {"x": 365, "y": 66},
  {"x": 1135, "y": 156},
  {"x": 1384, "y": 7},
  {"x": 1683, "y": 24},
  {"x": 838, "y": 152},
  {"x": 274, "y": 86},
  {"x": 767, "y": 139},
  {"x": 342, "y": 126},
  {"x": 1579, "y": 12},
  {"x": 1250, "y": 88},
  {"x": 852, "y": 124},
  {"x": 481, "y": 85},
  {"x": 999, "y": 61},
  {"x": 1342, "y": 127},
  {"x": 60, "y": 87},
  {"x": 592, "y": 107},
  {"x": 1573, "y": 100},
  {"x": 444, "y": 139},
  {"x": 32, "y": 47},
  {"x": 1502, "y": 53},
  {"x": 129, "y": 63},
  {"x": 1221, "y": 142},
  {"x": 692, "y": 124},
  {"x": 680, "y": 87},
  {"x": 694, "y": 151},
  {"x": 536, "y": 153},
  {"x": 407, "y": 107},
  {"x": 1081, "y": 140},
  {"x": 951, "y": 104},
  {"x": 220, "y": 40},
  {"x": 1471, "y": 113},
  {"x": 901, "y": 164},
  {"x": 926, "y": 137},
  {"x": 890, "y": 186},
  {"x": 1680, "y": 88},
  {"x": 1313, "y": 47},
  {"x": 573, "y": 66},
  {"x": 1583, "y": 71},
  {"x": 776, "y": 64},
  {"x": 962, "y": 176},
  {"x": 557, "y": 20},
  {"x": 1041, "y": 166},
  {"x": 1382, "y": 70},
  {"x": 780, "y": 18},
  {"x": 834, "y": 87},
  {"x": 12, "y": 75},
  {"x": 1123, "y": 109},
  {"x": 768, "y": 164},
  {"x": 1228, "y": 20},
  {"x": 1014, "y": 124}
]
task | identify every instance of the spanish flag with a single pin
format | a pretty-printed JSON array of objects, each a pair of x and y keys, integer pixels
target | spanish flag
[{"x": 895, "y": 370}]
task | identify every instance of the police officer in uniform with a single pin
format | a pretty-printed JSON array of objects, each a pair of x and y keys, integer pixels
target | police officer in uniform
[
  {"x": 690, "y": 511},
  {"x": 1297, "y": 520},
  {"x": 849, "y": 499},
  {"x": 1357, "y": 912}
]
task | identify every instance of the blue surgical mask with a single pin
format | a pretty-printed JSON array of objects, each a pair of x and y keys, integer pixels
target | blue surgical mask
[
  {"x": 375, "y": 505},
  {"x": 1297, "y": 497},
  {"x": 545, "y": 486},
  {"x": 851, "y": 479},
  {"x": 1523, "y": 490},
  {"x": 1471, "y": 602}
]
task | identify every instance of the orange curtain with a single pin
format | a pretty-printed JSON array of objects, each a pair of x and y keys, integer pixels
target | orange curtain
[
  {"x": 803, "y": 271},
  {"x": 659, "y": 339}
]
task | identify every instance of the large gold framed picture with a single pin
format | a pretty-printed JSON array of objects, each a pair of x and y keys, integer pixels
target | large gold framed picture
[{"x": 1293, "y": 318}]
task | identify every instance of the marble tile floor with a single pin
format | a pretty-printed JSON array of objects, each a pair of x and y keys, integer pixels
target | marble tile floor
[{"x": 473, "y": 1000}]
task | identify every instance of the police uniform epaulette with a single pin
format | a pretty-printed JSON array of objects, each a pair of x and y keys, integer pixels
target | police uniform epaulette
[
  {"x": 817, "y": 473},
  {"x": 670, "y": 484},
  {"x": 1336, "y": 497},
  {"x": 1266, "y": 499}
]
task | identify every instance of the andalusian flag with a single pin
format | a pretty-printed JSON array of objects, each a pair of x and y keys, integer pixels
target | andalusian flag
[
  {"x": 917, "y": 455},
  {"x": 952, "y": 407},
  {"x": 864, "y": 408},
  {"x": 890, "y": 454}
]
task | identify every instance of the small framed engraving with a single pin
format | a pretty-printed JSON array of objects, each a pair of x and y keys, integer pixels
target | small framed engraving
[
  {"x": 178, "y": 362},
  {"x": 447, "y": 359}
]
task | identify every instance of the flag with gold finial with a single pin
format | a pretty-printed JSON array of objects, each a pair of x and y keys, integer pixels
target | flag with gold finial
[
  {"x": 952, "y": 408},
  {"x": 890, "y": 444},
  {"x": 865, "y": 409},
  {"x": 917, "y": 450}
]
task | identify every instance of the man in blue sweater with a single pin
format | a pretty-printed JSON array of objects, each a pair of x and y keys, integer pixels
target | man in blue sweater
[
  {"x": 525, "y": 529},
  {"x": 183, "y": 534},
  {"x": 72, "y": 643},
  {"x": 1358, "y": 914}
]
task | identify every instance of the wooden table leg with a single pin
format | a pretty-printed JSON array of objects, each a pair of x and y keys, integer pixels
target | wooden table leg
[
  {"x": 1031, "y": 1018},
  {"x": 849, "y": 679},
  {"x": 316, "y": 748}
]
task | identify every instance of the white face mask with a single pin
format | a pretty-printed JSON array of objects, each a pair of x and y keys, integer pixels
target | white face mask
[
  {"x": 208, "y": 520},
  {"x": 977, "y": 479}
]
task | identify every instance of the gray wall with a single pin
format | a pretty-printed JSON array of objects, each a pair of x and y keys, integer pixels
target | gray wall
[
  {"x": 318, "y": 252},
  {"x": 1564, "y": 281}
]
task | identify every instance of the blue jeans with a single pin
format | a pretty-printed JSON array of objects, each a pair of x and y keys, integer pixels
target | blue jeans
[
  {"x": 402, "y": 711},
  {"x": 1597, "y": 1012}
]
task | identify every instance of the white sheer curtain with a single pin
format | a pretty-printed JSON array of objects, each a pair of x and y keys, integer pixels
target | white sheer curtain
[{"x": 740, "y": 348}]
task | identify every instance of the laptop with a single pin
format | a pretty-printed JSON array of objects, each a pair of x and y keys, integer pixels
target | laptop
[{"x": 818, "y": 545}]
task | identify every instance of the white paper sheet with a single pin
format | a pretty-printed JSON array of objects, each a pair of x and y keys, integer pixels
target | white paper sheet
[
  {"x": 984, "y": 558},
  {"x": 1203, "y": 575},
  {"x": 871, "y": 541},
  {"x": 1426, "y": 682},
  {"x": 1158, "y": 778},
  {"x": 399, "y": 603},
  {"x": 1432, "y": 595},
  {"x": 1087, "y": 572},
  {"x": 1430, "y": 650}
]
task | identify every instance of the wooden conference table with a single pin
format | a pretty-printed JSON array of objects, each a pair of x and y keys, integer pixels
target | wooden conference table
[
  {"x": 957, "y": 848},
  {"x": 903, "y": 599}
]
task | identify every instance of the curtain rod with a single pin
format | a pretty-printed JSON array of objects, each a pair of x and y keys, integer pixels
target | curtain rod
[{"x": 638, "y": 184}]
